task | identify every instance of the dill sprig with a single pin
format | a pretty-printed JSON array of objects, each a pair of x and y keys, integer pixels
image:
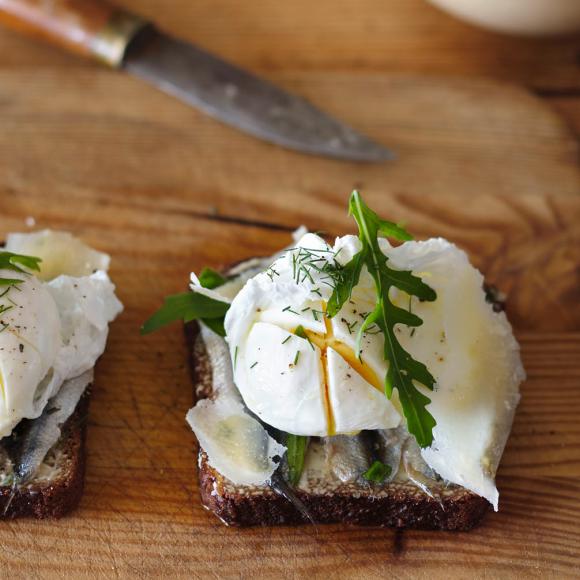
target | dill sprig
[
  {"x": 315, "y": 264},
  {"x": 350, "y": 325},
  {"x": 14, "y": 263}
]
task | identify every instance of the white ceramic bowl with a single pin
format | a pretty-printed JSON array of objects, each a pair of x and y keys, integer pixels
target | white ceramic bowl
[{"x": 527, "y": 17}]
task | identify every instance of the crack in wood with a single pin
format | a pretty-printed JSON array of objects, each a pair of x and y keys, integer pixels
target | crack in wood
[{"x": 243, "y": 221}]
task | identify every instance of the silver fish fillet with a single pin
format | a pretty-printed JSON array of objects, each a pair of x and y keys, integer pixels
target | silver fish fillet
[
  {"x": 389, "y": 448},
  {"x": 39, "y": 436},
  {"x": 418, "y": 472},
  {"x": 347, "y": 456}
]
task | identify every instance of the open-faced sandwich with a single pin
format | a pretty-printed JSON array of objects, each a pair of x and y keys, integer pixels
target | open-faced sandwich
[
  {"x": 56, "y": 302},
  {"x": 358, "y": 382}
]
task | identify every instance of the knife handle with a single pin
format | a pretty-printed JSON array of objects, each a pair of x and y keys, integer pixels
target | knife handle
[{"x": 86, "y": 27}]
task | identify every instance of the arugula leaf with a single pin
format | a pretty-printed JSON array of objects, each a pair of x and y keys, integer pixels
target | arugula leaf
[
  {"x": 192, "y": 305},
  {"x": 377, "y": 472},
  {"x": 297, "y": 445},
  {"x": 211, "y": 279},
  {"x": 188, "y": 306},
  {"x": 403, "y": 368},
  {"x": 215, "y": 324}
]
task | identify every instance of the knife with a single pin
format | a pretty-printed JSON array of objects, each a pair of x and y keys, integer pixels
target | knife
[{"x": 128, "y": 42}]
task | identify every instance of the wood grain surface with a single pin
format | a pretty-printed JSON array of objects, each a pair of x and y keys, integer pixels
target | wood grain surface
[
  {"x": 165, "y": 191},
  {"x": 344, "y": 35},
  {"x": 141, "y": 515}
]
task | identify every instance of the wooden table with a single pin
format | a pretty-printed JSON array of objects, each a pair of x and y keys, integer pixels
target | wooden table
[{"x": 165, "y": 190}]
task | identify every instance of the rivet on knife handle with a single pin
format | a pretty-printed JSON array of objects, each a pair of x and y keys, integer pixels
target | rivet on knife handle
[{"x": 86, "y": 27}]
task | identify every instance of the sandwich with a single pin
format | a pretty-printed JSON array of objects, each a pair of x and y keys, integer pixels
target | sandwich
[
  {"x": 372, "y": 381},
  {"x": 56, "y": 303}
]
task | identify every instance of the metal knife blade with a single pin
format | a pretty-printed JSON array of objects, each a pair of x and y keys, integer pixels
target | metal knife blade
[{"x": 243, "y": 100}]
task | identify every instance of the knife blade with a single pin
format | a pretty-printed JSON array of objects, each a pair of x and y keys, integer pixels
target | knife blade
[
  {"x": 218, "y": 88},
  {"x": 243, "y": 100}
]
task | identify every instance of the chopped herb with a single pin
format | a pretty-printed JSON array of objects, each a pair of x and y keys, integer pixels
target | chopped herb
[
  {"x": 287, "y": 339},
  {"x": 296, "y": 452},
  {"x": 296, "y": 358},
  {"x": 15, "y": 263},
  {"x": 19, "y": 263},
  {"x": 317, "y": 313},
  {"x": 236, "y": 356},
  {"x": 302, "y": 334},
  {"x": 289, "y": 309},
  {"x": 350, "y": 325},
  {"x": 254, "y": 365},
  {"x": 377, "y": 472},
  {"x": 4, "y": 309}
]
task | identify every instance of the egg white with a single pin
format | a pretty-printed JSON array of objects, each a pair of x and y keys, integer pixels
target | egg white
[{"x": 54, "y": 330}]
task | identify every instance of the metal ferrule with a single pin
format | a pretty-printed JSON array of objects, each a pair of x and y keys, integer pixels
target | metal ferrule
[{"x": 110, "y": 45}]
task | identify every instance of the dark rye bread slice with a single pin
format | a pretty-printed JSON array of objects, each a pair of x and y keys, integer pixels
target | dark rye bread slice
[
  {"x": 397, "y": 505},
  {"x": 58, "y": 486}
]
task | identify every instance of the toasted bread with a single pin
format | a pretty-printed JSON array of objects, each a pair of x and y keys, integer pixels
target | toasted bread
[
  {"x": 392, "y": 505},
  {"x": 57, "y": 487}
]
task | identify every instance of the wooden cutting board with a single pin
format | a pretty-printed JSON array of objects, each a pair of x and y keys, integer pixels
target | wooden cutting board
[{"x": 165, "y": 191}]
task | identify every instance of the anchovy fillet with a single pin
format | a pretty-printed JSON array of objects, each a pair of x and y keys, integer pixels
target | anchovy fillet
[
  {"x": 418, "y": 472},
  {"x": 39, "y": 435},
  {"x": 347, "y": 456},
  {"x": 389, "y": 446}
]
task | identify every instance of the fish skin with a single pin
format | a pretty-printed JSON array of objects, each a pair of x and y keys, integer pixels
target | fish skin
[
  {"x": 389, "y": 448},
  {"x": 348, "y": 456},
  {"x": 418, "y": 472},
  {"x": 39, "y": 435},
  {"x": 279, "y": 484}
]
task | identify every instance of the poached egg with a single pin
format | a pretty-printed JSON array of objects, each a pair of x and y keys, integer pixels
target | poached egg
[
  {"x": 54, "y": 325},
  {"x": 297, "y": 370}
]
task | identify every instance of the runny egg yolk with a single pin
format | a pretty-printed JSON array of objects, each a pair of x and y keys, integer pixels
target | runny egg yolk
[{"x": 323, "y": 342}]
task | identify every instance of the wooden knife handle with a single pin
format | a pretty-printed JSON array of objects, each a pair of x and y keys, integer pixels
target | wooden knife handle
[{"x": 86, "y": 27}]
